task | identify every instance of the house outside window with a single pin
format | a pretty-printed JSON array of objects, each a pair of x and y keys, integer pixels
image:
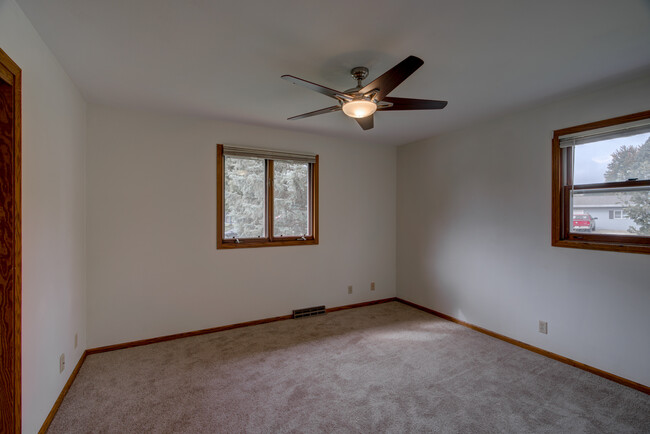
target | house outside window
[{"x": 608, "y": 211}]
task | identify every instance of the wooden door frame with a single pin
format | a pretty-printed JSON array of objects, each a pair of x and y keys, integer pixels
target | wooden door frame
[{"x": 10, "y": 297}]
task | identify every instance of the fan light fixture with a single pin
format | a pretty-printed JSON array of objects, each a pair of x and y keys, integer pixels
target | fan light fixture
[
  {"x": 359, "y": 108},
  {"x": 361, "y": 102}
]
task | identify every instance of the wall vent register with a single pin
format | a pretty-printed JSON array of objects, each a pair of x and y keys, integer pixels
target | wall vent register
[{"x": 309, "y": 311}]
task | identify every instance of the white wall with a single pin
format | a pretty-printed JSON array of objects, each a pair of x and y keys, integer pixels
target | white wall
[
  {"x": 53, "y": 225},
  {"x": 473, "y": 230},
  {"x": 153, "y": 266},
  {"x": 474, "y": 241}
]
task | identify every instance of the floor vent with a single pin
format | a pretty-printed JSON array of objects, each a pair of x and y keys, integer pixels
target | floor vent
[{"x": 309, "y": 311}]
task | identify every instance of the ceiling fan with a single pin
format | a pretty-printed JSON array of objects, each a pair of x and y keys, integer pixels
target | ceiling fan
[{"x": 361, "y": 102}]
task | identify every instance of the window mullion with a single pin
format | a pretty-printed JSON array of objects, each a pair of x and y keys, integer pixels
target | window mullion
[
  {"x": 313, "y": 220},
  {"x": 570, "y": 152},
  {"x": 310, "y": 200},
  {"x": 614, "y": 186},
  {"x": 269, "y": 199}
]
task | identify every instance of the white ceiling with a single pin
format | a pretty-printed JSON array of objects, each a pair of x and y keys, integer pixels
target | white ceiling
[{"x": 223, "y": 59}]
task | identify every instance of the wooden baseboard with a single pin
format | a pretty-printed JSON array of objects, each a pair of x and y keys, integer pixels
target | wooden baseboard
[
  {"x": 184, "y": 335},
  {"x": 591, "y": 369},
  {"x": 59, "y": 400},
  {"x": 365, "y": 303},
  {"x": 624, "y": 381},
  {"x": 90, "y": 351},
  {"x": 222, "y": 328}
]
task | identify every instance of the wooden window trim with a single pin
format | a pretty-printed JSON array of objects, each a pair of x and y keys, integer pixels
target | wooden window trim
[
  {"x": 560, "y": 220},
  {"x": 269, "y": 240}
]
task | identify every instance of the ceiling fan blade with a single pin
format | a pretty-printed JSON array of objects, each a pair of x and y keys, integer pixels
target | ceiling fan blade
[
  {"x": 318, "y": 88},
  {"x": 393, "y": 77},
  {"x": 366, "y": 123},
  {"x": 412, "y": 104},
  {"x": 334, "y": 108}
]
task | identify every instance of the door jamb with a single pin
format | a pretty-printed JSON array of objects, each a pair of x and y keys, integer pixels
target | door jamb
[{"x": 10, "y": 409}]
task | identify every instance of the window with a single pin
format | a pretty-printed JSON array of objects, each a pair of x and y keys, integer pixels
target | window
[
  {"x": 618, "y": 214},
  {"x": 601, "y": 185},
  {"x": 266, "y": 198}
]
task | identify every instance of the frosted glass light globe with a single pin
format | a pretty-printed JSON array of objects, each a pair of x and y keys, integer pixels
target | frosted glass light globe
[{"x": 359, "y": 108}]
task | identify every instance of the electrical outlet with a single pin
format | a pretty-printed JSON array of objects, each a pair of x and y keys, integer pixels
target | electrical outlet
[
  {"x": 372, "y": 286},
  {"x": 76, "y": 340},
  {"x": 62, "y": 363},
  {"x": 350, "y": 289},
  {"x": 543, "y": 327}
]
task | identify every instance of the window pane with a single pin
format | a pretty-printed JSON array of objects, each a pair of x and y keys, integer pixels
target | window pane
[
  {"x": 612, "y": 213},
  {"x": 245, "y": 197},
  {"x": 612, "y": 160},
  {"x": 290, "y": 198}
]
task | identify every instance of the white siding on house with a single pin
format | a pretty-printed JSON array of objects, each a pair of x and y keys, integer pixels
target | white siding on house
[
  {"x": 601, "y": 206},
  {"x": 603, "y": 221}
]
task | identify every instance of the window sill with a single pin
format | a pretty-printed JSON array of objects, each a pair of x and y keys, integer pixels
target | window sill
[
  {"x": 599, "y": 245},
  {"x": 244, "y": 244}
]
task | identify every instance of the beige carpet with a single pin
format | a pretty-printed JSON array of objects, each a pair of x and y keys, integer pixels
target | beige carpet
[{"x": 383, "y": 368}]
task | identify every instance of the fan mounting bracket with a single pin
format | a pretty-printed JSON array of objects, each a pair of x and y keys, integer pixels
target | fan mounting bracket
[{"x": 359, "y": 73}]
